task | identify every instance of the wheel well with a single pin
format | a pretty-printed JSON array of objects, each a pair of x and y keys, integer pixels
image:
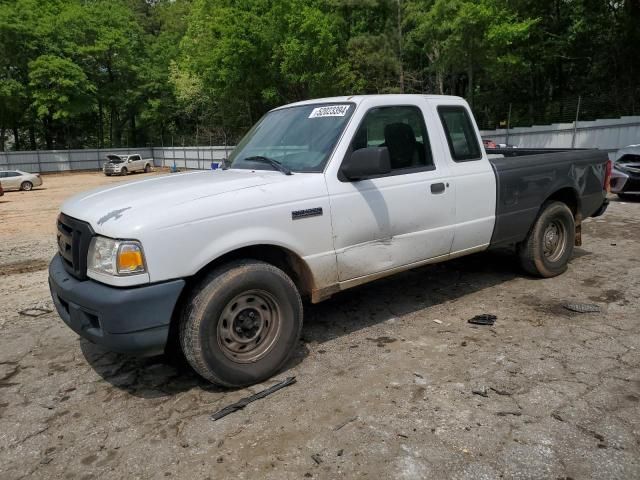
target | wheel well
[
  {"x": 569, "y": 197},
  {"x": 280, "y": 257}
]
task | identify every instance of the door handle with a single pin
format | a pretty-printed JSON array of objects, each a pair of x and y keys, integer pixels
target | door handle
[{"x": 437, "y": 187}]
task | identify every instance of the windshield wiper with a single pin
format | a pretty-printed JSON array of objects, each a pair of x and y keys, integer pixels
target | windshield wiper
[{"x": 274, "y": 163}]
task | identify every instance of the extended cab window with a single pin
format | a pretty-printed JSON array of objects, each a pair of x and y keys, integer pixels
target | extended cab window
[
  {"x": 461, "y": 136},
  {"x": 402, "y": 130}
]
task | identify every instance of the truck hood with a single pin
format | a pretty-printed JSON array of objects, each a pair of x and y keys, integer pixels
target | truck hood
[{"x": 130, "y": 205}]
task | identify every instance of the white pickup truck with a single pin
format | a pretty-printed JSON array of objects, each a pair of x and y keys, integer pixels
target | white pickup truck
[
  {"x": 125, "y": 164},
  {"x": 320, "y": 196}
]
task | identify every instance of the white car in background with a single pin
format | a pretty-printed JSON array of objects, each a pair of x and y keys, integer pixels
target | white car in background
[
  {"x": 125, "y": 164},
  {"x": 19, "y": 180}
]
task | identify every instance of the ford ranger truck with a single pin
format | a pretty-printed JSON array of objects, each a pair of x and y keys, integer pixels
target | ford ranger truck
[{"x": 320, "y": 196}]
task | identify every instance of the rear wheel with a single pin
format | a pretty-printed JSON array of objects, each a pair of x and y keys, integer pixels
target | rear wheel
[
  {"x": 549, "y": 246},
  {"x": 241, "y": 324},
  {"x": 147, "y": 168},
  {"x": 26, "y": 186}
]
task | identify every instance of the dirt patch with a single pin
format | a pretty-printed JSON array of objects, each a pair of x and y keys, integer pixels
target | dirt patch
[{"x": 24, "y": 266}]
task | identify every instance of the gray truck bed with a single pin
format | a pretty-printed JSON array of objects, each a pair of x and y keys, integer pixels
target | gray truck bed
[{"x": 525, "y": 182}]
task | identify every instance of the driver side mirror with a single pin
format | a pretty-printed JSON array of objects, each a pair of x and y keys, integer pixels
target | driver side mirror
[{"x": 366, "y": 162}]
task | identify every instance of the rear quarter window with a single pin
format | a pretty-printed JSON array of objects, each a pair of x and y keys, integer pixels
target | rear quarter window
[{"x": 461, "y": 136}]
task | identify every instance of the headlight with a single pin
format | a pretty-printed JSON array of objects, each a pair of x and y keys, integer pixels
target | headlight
[{"x": 115, "y": 257}]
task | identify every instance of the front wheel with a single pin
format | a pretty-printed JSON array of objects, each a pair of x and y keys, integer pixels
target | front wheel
[
  {"x": 241, "y": 324},
  {"x": 124, "y": 171},
  {"x": 26, "y": 186},
  {"x": 549, "y": 246}
]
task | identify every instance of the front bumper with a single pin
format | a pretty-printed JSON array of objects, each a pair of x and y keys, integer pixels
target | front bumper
[{"x": 126, "y": 320}]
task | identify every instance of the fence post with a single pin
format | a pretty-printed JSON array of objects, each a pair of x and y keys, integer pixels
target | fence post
[
  {"x": 575, "y": 123},
  {"x": 38, "y": 157},
  {"x": 197, "y": 151}
]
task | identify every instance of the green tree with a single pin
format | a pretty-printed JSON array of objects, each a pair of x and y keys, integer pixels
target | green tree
[{"x": 60, "y": 90}]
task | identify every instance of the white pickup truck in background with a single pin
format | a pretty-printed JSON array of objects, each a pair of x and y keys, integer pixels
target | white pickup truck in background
[
  {"x": 321, "y": 196},
  {"x": 125, "y": 164}
]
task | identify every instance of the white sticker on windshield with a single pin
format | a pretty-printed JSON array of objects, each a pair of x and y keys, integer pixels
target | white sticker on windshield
[{"x": 330, "y": 111}]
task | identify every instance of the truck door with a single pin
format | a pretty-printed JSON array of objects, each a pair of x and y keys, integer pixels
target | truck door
[
  {"x": 136, "y": 163},
  {"x": 398, "y": 219},
  {"x": 475, "y": 181}
]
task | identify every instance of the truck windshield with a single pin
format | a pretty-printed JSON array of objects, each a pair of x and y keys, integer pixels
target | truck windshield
[{"x": 299, "y": 138}]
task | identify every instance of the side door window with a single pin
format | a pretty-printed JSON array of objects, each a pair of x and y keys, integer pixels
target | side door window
[{"x": 402, "y": 130}]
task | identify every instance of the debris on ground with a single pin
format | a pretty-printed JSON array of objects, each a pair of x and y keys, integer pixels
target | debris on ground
[
  {"x": 582, "y": 307},
  {"x": 500, "y": 392},
  {"x": 316, "y": 458},
  {"x": 34, "y": 312},
  {"x": 240, "y": 404},
  {"x": 439, "y": 322},
  {"x": 482, "y": 391},
  {"x": 483, "y": 319},
  {"x": 346, "y": 422}
]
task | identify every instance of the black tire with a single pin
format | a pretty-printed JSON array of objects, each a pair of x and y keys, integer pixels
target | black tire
[
  {"x": 147, "y": 168},
  {"x": 539, "y": 254},
  {"x": 26, "y": 186},
  {"x": 124, "y": 171},
  {"x": 213, "y": 327}
]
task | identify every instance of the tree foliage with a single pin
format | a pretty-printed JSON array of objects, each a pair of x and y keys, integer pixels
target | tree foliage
[{"x": 106, "y": 73}]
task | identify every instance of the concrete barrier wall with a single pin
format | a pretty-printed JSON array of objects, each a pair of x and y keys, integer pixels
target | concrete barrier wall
[{"x": 51, "y": 161}]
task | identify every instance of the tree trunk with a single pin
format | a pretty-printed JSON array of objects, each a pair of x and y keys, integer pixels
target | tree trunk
[
  {"x": 16, "y": 138},
  {"x": 2, "y": 131},
  {"x": 470, "y": 85},
  {"x": 32, "y": 137},
  {"x": 400, "y": 46},
  {"x": 100, "y": 124},
  {"x": 48, "y": 135},
  {"x": 111, "y": 128},
  {"x": 134, "y": 137}
]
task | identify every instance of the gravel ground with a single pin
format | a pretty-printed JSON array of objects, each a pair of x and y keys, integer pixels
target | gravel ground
[{"x": 392, "y": 380}]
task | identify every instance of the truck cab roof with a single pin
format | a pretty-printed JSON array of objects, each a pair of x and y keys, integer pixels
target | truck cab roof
[{"x": 377, "y": 98}]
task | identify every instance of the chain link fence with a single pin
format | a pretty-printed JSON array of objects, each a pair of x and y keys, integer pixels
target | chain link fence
[{"x": 518, "y": 113}]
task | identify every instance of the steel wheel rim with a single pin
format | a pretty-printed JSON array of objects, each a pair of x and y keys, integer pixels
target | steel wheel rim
[
  {"x": 248, "y": 326},
  {"x": 554, "y": 240}
]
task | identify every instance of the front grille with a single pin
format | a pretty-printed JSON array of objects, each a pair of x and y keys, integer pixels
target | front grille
[{"x": 74, "y": 237}]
